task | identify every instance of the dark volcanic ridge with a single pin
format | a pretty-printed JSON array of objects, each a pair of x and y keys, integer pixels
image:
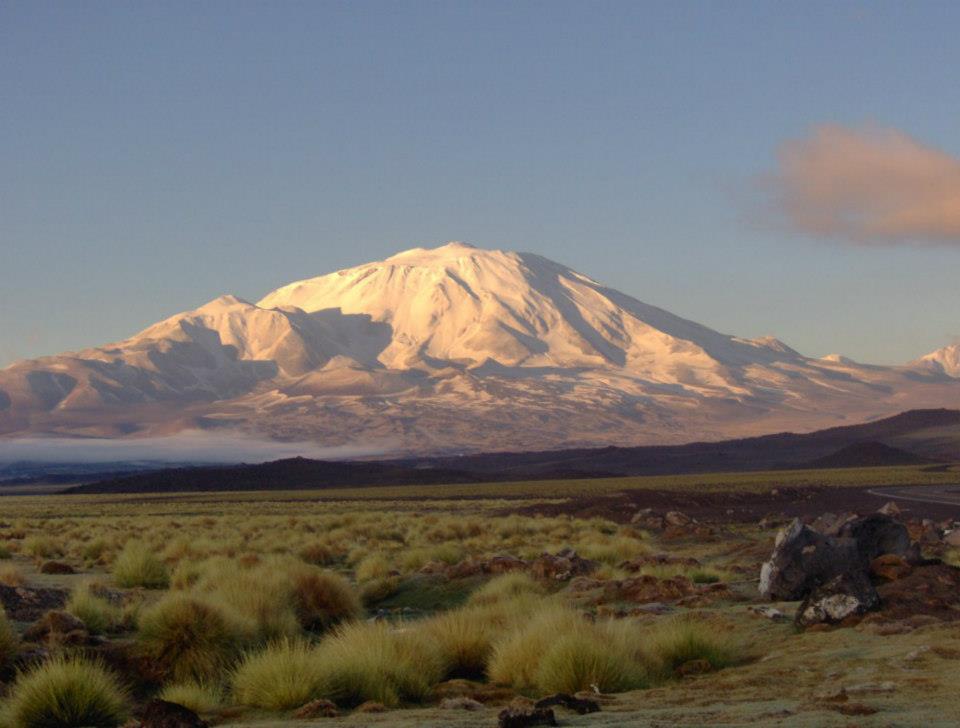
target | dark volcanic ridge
[{"x": 911, "y": 438}]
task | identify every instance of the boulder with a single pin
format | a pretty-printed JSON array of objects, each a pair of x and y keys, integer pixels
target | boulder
[
  {"x": 164, "y": 714},
  {"x": 25, "y": 604},
  {"x": 803, "y": 559},
  {"x": 879, "y": 534},
  {"x": 677, "y": 518},
  {"x": 889, "y": 509},
  {"x": 843, "y": 596},
  {"x": 952, "y": 538}
]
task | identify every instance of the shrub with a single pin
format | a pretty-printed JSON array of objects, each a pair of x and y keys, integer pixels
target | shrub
[
  {"x": 96, "y": 613},
  {"x": 682, "y": 639},
  {"x": 5, "y": 552},
  {"x": 188, "y": 639},
  {"x": 363, "y": 661},
  {"x": 318, "y": 554},
  {"x": 137, "y": 565},
  {"x": 66, "y": 692},
  {"x": 94, "y": 550},
  {"x": 285, "y": 675},
  {"x": 506, "y": 586},
  {"x": 199, "y": 697}
]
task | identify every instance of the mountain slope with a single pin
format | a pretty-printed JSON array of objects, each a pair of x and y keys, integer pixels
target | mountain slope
[{"x": 453, "y": 348}]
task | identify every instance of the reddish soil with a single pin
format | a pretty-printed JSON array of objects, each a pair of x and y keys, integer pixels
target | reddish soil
[{"x": 742, "y": 507}]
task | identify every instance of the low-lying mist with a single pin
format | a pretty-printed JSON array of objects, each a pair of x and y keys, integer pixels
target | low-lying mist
[{"x": 184, "y": 447}]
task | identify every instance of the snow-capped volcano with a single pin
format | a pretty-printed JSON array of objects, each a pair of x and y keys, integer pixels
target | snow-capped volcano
[{"x": 451, "y": 347}]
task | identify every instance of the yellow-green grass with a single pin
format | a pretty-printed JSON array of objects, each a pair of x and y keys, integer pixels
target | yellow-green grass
[
  {"x": 65, "y": 692},
  {"x": 197, "y": 696}
]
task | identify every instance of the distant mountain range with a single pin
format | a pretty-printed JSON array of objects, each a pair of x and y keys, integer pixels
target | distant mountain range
[
  {"x": 912, "y": 438},
  {"x": 450, "y": 350}
]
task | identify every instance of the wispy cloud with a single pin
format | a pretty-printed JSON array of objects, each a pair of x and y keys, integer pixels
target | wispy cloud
[
  {"x": 869, "y": 186},
  {"x": 183, "y": 447}
]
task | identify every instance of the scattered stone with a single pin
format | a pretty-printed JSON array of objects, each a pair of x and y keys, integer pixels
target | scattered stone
[
  {"x": 676, "y": 518},
  {"x": 843, "y": 596},
  {"x": 769, "y": 612},
  {"x": 581, "y": 706},
  {"x": 25, "y": 604},
  {"x": 647, "y": 560},
  {"x": 57, "y": 627},
  {"x": 474, "y": 567},
  {"x": 316, "y": 709},
  {"x": 164, "y": 714},
  {"x": 371, "y": 706},
  {"x": 461, "y": 703},
  {"x": 928, "y": 591},
  {"x": 515, "y": 717},
  {"x": 890, "y": 567},
  {"x": 854, "y": 709},
  {"x": 694, "y": 667},
  {"x": 56, "y": 567},
  {"x": 646, "y": 588},
  {"x": 871, "y": 688},
  {"x": 889, "y": 509},
  {"x": 916, "y": 654},
  {"x": 952, "y": 538},
  {"x": 563, "y": 565}
]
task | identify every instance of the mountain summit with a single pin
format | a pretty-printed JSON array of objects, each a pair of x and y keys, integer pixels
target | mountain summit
[{"x": 453, "y": 347}]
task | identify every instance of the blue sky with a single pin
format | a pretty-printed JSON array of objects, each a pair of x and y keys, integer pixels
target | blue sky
[{"x": 156, "y": 155}]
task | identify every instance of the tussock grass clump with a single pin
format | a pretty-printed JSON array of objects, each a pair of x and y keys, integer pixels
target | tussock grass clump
[
  {"x": 505, "y": 587},
  {"x": 374, "y": 566},
  {"x": 285, "y": 675},
  {"x": 5, "y": 551},
  {"x": 137, "y": 565},
  {"x": 41, "y": 547},
  {"x": 66, "y": 692},
  {"x": 188, "y": 639},
  {"x": 8, "y": 640},
  {"x": 377, "y": 590},
  {"x": 682, "y": 639},
  {"x": 588, "y": 659},
  {"x": 322, "y": 599},
  {"x": 464, "y": 640},
  {"x": 362, "y": 661},
  {"x": 559, "y": 651},
  {"x": 199, "y": 697},
  {"x": 96, "y": 613},
  {"x": 10, "y": 575}
]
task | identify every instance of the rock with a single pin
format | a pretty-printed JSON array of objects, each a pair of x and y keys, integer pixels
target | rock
[
  {"x": 890, "y": 567},
  {"x": 878, "y": 534},
  {"x": 770, "y": 613},
  {"x": 889, "y": 509},
  {"x": 829, "y": 524},
  {"x": 371, "y": 706},
  {"x": 952, "y": 538},
  {"x": 693, "y": 667},
  {"x": 642, "y": 562},
  {"x": 676, "y": 518},
  {"x": 581, "y": 706},
  {"x": 25, "y": 604},
  {"x": 493, "y": 565},
  {"x": 56, "y": 567},
  {"x": 164, "y": 714},
  {"x": 563, "y": 565},
  {"x": 461, "y": 703},
  {"x": 646, "y": 588},
  {"x": 316, "y": 709},
  {"x": 57, "y": 627},
  {"x": 841, "y": 597},
  {"x": 516, "y": 717},
  {"x": 929, "y": 590},
  {"x": 871, "y": 688},
  {"x": 803, "y": 558}
]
